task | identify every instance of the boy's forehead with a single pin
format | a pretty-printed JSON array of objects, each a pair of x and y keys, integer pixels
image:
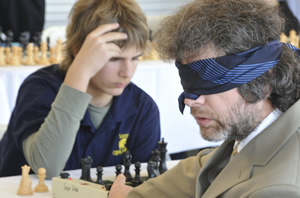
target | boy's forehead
[{"x": 131, "y": 51}]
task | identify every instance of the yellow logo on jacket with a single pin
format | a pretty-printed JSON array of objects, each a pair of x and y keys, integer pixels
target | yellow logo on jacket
[{"x": 122, "y": 145}]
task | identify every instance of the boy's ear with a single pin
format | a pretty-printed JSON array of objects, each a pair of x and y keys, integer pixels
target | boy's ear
[{"x": 74, "y": 51}]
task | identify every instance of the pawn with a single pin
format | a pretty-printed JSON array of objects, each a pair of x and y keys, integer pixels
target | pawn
[
  {"x": 41, "y": 186},
  {"x": 99, "y": 175},
  {"x": 58, "y": 51},
  {"x": 25, "y": 183},
  {"x": 44, "y": 58},
  {"x": 118, "y": 169},
  {"x": 8, "y": 55},
  {"x": 30, "y": 58},
  {"x": 52, "y": 57},
  {"x": 294, "y": 39},
  {"x": 2, "y": 57},
  {"x": 20, "y": 54},
  {"x": 137, "y": 179},
  {"x": 36, "y": 56},
  {"x": 15, "y": 58},
  {"x": 283, "y": 38}
]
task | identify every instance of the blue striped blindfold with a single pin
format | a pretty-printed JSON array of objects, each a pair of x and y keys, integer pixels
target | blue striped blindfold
[{"x": 220, "y": 74}]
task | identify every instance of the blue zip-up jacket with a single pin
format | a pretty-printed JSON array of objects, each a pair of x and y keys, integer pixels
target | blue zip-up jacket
[{"x": 132, "y": 123}]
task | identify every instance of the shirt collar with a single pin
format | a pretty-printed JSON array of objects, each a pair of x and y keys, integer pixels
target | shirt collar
[{"x": 264, "y": 124}]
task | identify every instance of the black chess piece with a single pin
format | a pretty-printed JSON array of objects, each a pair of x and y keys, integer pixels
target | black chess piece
[
  {"x": 152, "y": 172},
  {"x": 2, "y": 36},
  {"x": 118, "y": 169},
  {"x": 64, "y": 175},
  {"x": 127, "y": 162},
  {"x": 156, "y": 158},
  {"x": 24, "y": 39},
  {"x": 137, "y": 179},
  {"x": 162, "y": 147},
  {"x": 37, "y": 39},
  {"x": 9, "y": 38},
  {"x": 86, "y": 164},
  {"x": 99, "y": 173}
]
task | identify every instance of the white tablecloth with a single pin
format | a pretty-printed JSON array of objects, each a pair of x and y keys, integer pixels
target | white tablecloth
[
  {"x": 159, "y": 79},
  {"x": 9, "y": 185}
]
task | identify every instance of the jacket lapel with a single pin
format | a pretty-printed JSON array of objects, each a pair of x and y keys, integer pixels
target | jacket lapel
[
  {"x": 218, "y": 158},
  {"x": 236, "y": 171}
]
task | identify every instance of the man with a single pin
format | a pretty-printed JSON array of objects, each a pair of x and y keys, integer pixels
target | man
[
  {"x": 86, "y": 106},
  {"x": 243, "y": 87}
]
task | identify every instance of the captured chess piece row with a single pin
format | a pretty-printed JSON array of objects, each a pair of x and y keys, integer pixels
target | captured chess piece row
[
  {"x": 33, "y": 55},
  {"x": 25, "y": 187}
]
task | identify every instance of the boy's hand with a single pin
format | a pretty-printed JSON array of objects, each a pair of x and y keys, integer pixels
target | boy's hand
[{"x": 95, "y": 52}]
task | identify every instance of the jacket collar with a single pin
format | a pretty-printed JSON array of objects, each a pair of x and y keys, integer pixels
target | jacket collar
[
  {"x": 122, "y": 108},
  {"x": 240, "y": 167}
]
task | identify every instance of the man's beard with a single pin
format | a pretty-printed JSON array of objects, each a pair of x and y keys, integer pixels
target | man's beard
[{"x": 240, "y": 120}]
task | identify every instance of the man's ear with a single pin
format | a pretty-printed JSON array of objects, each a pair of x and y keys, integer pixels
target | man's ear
[{"x": 268, "y": 95}]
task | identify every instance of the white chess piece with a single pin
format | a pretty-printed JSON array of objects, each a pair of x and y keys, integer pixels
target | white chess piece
[
  {"x": 41, "y": 186},
  {"x": 25, "y": 183}
]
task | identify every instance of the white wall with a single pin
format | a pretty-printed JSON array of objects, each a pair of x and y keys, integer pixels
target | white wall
[{"x": 57, "y": 10}]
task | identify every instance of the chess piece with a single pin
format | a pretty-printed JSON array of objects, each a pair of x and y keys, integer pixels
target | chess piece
[
  {"x": 36, "y": 54},
  {"x": 294, "y": 39},
  {"x": 162, "y": 147},
  {"x": 7, "y": 55},
  {"x": 41, "y": 186},
  {"x": 127, "y": 162},
  {"x": 118, "y": 169},
  {"x": 153, "y": 55},
  {"x": 20, "y": 54},
  {"x": 2, "y": 36},
  {"x": 2, "y": 58},
  {"x": 64, "y": 175},
  {"x": 15, "y": 58},
  {"x": 58, "y": 51},
  {"x": 137, "y": 179},
  {"x": 156, "y": 158},
  {"x": 25, "y": 183},
  {"x": 29, "y": 50},
  {"x": 99, "y": 175},
  {"x": 9, "y": 38},
  {"x": 86, "y": 164},
  {"x": 283, "y": 38},
  {"x": 52, "y": 58},
  {"x": 37, "y": 38},
  {"x": 152, "y": 172},
  {"x": 24, "y": 39},
  {"x": 44, "y": 58}
]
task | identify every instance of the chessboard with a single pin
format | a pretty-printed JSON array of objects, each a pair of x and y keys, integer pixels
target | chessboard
[{"x": 67, "y": 186}]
